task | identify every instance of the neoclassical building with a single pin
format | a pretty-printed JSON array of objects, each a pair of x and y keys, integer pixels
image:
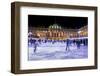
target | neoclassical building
[{"x": 56, "y": 32}]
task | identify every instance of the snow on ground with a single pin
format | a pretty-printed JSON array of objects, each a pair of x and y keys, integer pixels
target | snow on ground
[{"x": 48, "y": 51}]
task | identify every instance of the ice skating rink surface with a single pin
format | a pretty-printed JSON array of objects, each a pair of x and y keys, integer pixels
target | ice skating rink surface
[{"x": 50, "y": 51}]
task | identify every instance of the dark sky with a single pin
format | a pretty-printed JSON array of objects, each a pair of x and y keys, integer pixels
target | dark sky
[{"x": 64, "y": 22}]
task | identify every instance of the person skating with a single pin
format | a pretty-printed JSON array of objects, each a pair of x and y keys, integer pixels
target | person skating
[
  {"x": 35, "y": 46},
  {"x": 67, "y": 45}
]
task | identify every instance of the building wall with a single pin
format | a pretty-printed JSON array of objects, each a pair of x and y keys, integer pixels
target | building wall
[{"x": 58, "y": 34}]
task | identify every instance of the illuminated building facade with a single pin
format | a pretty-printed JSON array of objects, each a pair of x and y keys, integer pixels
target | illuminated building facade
[{"x": 56, "y": 32}]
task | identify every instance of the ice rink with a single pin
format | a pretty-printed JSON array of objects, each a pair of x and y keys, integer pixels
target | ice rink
[{"x": 48, "y": 51}]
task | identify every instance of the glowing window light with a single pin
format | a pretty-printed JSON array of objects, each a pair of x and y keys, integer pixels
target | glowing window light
[
  {"x": 79, "y": 32},
  {"x": 30, "y": 33},
  {"x": 71, "y": 34}
]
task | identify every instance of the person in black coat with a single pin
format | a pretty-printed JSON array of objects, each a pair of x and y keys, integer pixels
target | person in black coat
[
  {"x": 35, "y": 46},
  {"x": 67, "y": 44},
  {"x": 78, "y": 44}
]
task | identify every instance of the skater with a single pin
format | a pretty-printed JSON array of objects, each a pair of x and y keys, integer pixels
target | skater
[
  {"x": 67, "y": 45},
  {"x": 31, "y": 41},
  {"x": 35, "y": 46},
  {"x": 78, "y": 44}
]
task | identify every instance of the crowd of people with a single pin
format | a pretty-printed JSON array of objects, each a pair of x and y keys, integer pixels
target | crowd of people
[{"x": 77, "y": 42}]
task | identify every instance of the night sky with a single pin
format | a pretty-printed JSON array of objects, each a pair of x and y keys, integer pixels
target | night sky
[{"x": 63, "y": 21}]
